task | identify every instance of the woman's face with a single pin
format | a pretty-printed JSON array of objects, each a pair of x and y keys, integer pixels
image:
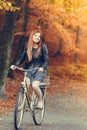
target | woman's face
[{"x": 36, "y": 37}]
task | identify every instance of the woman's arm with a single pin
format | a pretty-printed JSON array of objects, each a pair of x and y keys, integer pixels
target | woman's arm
[
  {"x": 45, "y": 56},
  {"x": 22, "y": 57}
]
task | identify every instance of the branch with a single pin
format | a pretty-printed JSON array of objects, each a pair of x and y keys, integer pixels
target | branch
[{"x": 19, "y": 33}]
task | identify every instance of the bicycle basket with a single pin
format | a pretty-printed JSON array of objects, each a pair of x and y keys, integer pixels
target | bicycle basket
[{"x": 47, "y": 80}]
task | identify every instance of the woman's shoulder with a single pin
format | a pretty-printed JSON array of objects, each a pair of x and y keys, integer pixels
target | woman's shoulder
[{"x": 44, "y": 45}]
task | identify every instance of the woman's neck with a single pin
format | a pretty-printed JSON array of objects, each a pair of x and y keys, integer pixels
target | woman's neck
[{"x": 35, "y": 46}]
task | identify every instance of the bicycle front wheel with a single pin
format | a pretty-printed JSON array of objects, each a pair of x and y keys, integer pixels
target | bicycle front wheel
[
  {"x": 19, "y": 108},
  {"x": 38, "y": 114}
]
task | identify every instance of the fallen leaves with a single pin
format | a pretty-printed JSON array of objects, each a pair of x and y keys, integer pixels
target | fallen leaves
[{"x": 57, "y": 85}]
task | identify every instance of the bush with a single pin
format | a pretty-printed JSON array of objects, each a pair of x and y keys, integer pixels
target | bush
[{"x": 69, "y": 70}]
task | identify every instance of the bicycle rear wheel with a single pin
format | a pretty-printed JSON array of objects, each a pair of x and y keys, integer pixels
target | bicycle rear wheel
[
  {"x": 38, "y": 114},
  {"x": 19, "y": 108}
]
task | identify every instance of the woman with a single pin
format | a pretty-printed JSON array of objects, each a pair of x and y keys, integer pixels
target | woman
[{"x": 37, "y": 56}]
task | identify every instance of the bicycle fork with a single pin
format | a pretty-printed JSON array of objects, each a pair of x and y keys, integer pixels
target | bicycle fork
[{"x": 25, "y": 91}]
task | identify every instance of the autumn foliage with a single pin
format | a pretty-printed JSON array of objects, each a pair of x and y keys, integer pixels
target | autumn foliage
[
  {"x": 8, "y": 5},
  {"x": 57, "y": 18}
]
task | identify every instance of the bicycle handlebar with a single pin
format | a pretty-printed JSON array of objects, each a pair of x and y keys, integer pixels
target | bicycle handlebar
[{"x": 25, "y": 70}]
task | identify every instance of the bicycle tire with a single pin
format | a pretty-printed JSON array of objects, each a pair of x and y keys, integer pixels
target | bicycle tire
[
  {"x": 38, "y": 114},
  {"x": 19, "y": 108}
]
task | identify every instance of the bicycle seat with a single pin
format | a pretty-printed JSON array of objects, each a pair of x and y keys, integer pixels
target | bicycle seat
[{"x": 42, "y": 85}]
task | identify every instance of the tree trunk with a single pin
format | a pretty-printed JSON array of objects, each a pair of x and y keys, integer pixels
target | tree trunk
[
  {"x": 77, "y": 55},
  {"x": 22, "y": 39},
  {"x": 59, "y": 52},
  {"x": 60, "y": 47},
  {"x": 6, "y": 39}
]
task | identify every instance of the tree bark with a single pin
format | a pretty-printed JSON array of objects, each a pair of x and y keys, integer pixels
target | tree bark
[
  {"x": 22, "y": 39},
  {"x": 59, "y": 51},
  {"x": 6, "y": 39},
  {"x": 77, "y": 55}
]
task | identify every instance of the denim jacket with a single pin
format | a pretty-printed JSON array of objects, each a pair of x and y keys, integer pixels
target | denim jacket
[{"x": 41, "y": 61}]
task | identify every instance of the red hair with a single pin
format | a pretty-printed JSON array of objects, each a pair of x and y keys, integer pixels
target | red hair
[{"x": 31, "y": 43}]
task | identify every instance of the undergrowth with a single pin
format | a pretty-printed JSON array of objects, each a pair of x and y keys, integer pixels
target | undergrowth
[{"x": 69, "y": 70}]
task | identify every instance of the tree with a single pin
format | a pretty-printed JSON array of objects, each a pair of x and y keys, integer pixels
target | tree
[
  {"x": 78, "y": 33},
  {"x": 23, "y": 38},
  {"x": 6, "y": 39}
]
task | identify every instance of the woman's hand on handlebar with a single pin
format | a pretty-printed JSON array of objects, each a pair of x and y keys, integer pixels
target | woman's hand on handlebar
[
  {"x": 41, "y": 69},
  {"x": 13, "y": 67}
]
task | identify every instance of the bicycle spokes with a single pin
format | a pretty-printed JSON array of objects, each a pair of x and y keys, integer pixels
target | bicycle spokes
[
  {"x": 38, "y": 113},
  {"x": 19, "y": 109}
]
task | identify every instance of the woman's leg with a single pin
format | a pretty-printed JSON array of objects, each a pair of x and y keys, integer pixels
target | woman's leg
[
  {"x": 28, "y": 81},
  {"x": 36, "y": 88}
]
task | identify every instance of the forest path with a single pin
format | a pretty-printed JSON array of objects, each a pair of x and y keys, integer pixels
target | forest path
[{"x": 63, "y": 112}]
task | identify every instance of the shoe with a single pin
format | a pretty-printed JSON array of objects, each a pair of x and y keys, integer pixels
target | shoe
[{"x": 39, "y": 105}]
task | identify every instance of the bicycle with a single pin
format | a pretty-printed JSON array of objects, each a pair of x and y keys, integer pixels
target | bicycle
[{"x": 23, "y": 96}]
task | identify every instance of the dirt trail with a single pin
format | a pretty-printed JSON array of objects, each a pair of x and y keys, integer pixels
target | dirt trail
[
  {"x": 63, "y": 112},
  {"x": 66, "y": 106}
]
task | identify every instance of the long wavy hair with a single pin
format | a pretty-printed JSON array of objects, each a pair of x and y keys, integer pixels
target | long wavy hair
[{"x": 31, "y": 43}]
